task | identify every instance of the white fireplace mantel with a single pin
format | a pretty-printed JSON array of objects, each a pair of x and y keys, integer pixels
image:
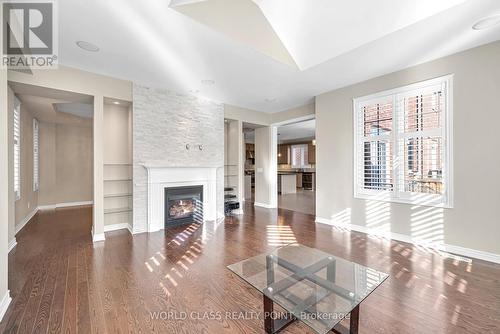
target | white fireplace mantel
[{"x": 160, "y": 177}]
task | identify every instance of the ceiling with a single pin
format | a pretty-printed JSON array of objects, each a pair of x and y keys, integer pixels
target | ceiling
[
  {"x": 286, "y": 133},
  {"x": 55, "y": 106},
  {"x": 84, "y": 110},
  {"x": 301, "y": 49},
  {"x": 299, "y": 130}
]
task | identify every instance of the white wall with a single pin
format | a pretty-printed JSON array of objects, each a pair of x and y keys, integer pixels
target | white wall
[
  {"x": 266, "y": 167},
  {"x": 246, "y": 115},
  {"x": 262, "y": 118},
  {"x": 66, "y": 171},
  {"x": 474, "y": 221},
  {"x": 306, "y": 111},
  {"x": 117, "y": 134},
  {"x": 48, "y": 176}
]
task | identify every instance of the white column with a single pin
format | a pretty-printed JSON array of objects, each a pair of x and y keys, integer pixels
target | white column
[
  {"x": 4, "y": 192},
  {"x": 234, "y": 157},
  {"x": 98, "y": 219},
  {"x": 266, "y": 167},
  {"x": 241, "y": 165}
]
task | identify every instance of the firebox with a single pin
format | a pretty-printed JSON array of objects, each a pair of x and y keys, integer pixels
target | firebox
[{"x": 183, "y": 205}]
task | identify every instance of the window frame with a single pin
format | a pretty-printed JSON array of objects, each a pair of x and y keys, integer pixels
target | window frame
[
  {"x": 36, "y": 155},
  {"x": 398, "y": 195},
  {"x": 305, "y": 155}
]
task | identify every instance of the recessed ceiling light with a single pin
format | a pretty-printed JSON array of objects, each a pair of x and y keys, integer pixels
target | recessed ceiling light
[
  {"x": 116, "y": 102},
  {"x": 487, "y": 22},
  {"x": 208, "y": 82},
  {"x": 87, "y": 46}
]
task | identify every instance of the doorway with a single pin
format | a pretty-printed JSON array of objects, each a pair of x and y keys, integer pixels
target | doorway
[{"x": 296, "y": 159}]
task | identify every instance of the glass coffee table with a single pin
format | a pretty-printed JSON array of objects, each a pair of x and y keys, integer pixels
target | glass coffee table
[{"x": 312, "y": 286}]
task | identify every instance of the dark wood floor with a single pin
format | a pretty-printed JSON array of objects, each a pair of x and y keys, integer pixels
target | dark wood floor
[{"x": 61, "y": 282}]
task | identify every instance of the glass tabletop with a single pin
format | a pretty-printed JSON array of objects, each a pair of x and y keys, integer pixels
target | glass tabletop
[{"x": 317, "y": 288}]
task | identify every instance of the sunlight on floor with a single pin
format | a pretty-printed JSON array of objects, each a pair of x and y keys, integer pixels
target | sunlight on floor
[
  {"x": 187, "y": 259},
  {"x": 280, "y": 235}
]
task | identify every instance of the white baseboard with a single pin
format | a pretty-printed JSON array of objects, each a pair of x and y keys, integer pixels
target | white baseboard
[
  {"x": 263, "y": 205},
  {"x": 64, "y": 205},
  {"x": 4, "y": 304},
  {"x": 115, "y": 227},
  {"x": 46, "y": 207},
  {"x": 70, "y": 204},
  {"x": 138, "y": 231},
  {"x": 12, "y": 244},
  {"x": 469, "y": 252},
  {"x": 98, "y": 237},
  {"x": 130, "y": 229},
  {"x": 463, "y": 251},
  {"x": 25, "y": 220}
]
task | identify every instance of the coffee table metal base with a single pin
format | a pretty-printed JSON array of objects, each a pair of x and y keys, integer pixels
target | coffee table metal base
[{"x": 272, "y": 325}]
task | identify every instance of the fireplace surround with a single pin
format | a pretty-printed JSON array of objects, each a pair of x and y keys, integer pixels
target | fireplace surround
[
  {"x": 160, "y": 177},
  {"x": 183, "y": 205}
]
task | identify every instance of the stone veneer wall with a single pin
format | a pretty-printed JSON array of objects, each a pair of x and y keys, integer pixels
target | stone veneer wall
[{"x": 163, "y": 123}]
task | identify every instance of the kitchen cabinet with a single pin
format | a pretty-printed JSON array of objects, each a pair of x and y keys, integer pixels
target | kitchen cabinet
[
  {"x": 299, "y": 180},
  {"x": 311, "y": 153},
  {"x": 250, "y": 151},
  {"x": 283, "y": 150}
]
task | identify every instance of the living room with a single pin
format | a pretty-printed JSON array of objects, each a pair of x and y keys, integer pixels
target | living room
[{"x": 249, "y": 166}]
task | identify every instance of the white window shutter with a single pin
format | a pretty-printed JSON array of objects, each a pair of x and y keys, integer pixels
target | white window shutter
[
  {"x": 403, "y": 144},
  {"x": 36, "y": 156},
  {"x": 17, "y": 149}
]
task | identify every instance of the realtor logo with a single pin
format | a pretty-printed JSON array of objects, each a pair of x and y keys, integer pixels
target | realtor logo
[{"x": 29, "y": 36}]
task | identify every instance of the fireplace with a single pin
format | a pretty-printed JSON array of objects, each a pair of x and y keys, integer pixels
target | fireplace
[{"x": 183, "y": 205}]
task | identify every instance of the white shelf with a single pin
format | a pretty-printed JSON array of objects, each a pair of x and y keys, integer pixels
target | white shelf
[
  {"x": 118, "y": 164},
  {"x": 116, "y": 210},
  {"x": 118, "y": 195}
]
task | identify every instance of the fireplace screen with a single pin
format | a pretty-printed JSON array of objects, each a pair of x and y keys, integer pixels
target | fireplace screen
[{"x": 183, "y": 205}]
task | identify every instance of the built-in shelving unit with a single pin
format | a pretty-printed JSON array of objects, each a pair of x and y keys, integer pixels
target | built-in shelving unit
[
  {"x": 117, "y": 194},
  {"x": 118, "y": 185}
]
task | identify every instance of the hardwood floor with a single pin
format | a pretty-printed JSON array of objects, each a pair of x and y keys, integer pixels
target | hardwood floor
[
  {"x": 61, "y": 282},
  {"x": 302, "y": 201}
]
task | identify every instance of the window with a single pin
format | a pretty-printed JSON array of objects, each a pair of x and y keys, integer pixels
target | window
[
  {"x": 299, "y": 155},
  {"x": 17, "y": 149},
  {"x": 36, "y": 157},
  {"x": 403, "y": 144}
]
